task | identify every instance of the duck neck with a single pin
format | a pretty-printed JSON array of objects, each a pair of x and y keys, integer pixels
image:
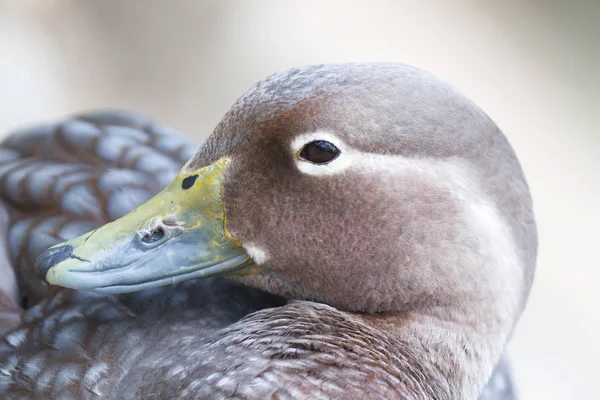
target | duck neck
[{"x": 443, "y": 352}]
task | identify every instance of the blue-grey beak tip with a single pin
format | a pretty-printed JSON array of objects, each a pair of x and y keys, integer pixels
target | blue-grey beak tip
[{"x": 50, "y": 258}]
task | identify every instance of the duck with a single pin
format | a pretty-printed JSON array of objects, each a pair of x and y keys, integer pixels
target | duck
[{"x": 347, "y": 231}]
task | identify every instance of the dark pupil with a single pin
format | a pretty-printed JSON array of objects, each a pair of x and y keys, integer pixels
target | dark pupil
[{"x": 319, "y": 152}]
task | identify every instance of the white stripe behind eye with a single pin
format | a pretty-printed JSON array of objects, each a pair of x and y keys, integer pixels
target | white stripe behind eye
[
  {"x": 461, "y": 178},
  {"x": 497, "y": 245}
]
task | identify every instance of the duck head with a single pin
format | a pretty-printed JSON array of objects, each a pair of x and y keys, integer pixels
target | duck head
[{"x": 370, "y": 187}]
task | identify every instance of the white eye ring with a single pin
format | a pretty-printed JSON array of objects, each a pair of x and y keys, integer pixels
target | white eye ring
[{"x": 320, "y": 164}]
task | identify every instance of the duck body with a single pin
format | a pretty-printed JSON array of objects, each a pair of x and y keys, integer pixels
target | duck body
[
  {"x": 218, "y": 338},
  {"x": 82, "y": 345}
]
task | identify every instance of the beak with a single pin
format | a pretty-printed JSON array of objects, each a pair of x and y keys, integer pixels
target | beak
[{"x": 179, "y": 234}]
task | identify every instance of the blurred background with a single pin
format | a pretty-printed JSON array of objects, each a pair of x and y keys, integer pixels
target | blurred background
[{"x": 534, "y": 67}]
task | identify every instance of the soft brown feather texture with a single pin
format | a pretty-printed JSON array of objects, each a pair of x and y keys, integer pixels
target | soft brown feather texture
[
  {"x": 183, "y": 341},
  {"x": 65, "y": 178},
  {"x": 419, "y": 309},
  {"x": 403, "y": 240}
]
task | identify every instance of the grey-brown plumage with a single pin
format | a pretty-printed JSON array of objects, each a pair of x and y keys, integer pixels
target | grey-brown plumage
[
  {"x": 438, "y": 338},
  {"x": 62, "y": 179}
]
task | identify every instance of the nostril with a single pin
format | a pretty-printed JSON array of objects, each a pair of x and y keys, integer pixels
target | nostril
[
  {"x": 154, "y": 236},
  {"x": 50, "y": 258}
]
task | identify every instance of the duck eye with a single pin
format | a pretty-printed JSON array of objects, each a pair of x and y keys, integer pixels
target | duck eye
[{"x": 319, "y": 152}]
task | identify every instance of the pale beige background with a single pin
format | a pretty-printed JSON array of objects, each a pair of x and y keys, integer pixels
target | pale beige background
[{"x": 534, "y": 67}]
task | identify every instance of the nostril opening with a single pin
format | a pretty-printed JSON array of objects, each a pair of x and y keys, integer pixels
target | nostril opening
[{"x": 154, "y": 236}]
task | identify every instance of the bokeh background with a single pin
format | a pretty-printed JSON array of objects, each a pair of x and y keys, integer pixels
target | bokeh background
[{"x": 534, "y": 67}]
